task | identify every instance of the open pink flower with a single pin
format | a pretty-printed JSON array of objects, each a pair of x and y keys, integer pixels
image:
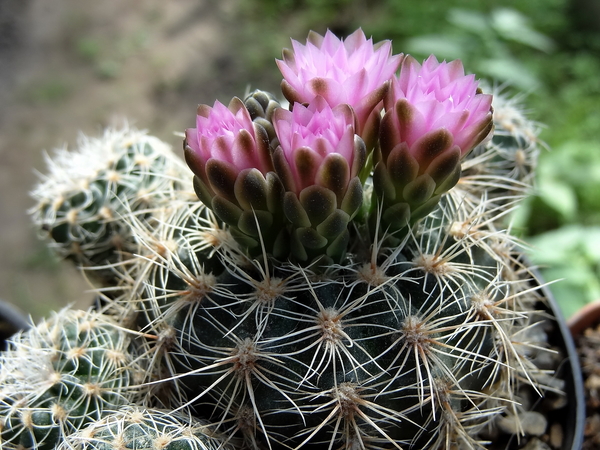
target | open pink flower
[
  {"x": 227, "y": 135},
  {"x": 351, "y": 71},
  {"x": 317, "y": 145},
  {"x": 434, "y": 97}
]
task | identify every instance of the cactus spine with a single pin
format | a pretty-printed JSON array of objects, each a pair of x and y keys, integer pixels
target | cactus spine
[
  {"x": 81, "y": 201},
  {"x": 145, "y": 429}
]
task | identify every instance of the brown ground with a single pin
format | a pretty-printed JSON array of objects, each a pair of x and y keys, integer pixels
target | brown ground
[{"x": 68, "y": 66}]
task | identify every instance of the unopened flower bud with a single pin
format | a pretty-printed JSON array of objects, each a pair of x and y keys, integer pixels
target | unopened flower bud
[
  {"x": 435, "y": 115},
  {"x": 353, "y": 71},
  {"x": 318, "y": 161}
]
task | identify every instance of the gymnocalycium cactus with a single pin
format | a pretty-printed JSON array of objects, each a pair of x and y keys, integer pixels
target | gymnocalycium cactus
[
  {"x": 346, "y": 280},
  {"x": 143, "y": 428},
  {"x": 63, "y": 374}
]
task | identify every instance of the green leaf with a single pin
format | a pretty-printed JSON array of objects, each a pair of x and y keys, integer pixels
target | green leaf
[
  {"x": 577, "y": 286},
  {"x": 558, "y": 247},
  {"x": 443, "y": 46},
  {"x": 512, "y": 25},
  {"x": 559, "y": 196},
  {"x": 509, "y": 69},
  {"x": 569, "y": 246},
  {"x": 469, "y": 20}
]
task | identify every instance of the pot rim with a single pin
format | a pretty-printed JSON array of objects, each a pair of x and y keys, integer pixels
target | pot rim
[
  {"x": 574, "y": 379},
  {"x": 585, "y": 317}
]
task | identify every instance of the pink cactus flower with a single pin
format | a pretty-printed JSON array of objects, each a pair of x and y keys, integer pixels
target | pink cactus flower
[
  {"x": 436, "y": 97},
  {"x": 314, "y": 139},
  {"x": 352, "y": 71},
  {"x": 228, "y": 136}
]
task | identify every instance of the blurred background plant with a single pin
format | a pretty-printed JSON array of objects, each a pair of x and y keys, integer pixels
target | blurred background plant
[{"x": 66, "y": 66}]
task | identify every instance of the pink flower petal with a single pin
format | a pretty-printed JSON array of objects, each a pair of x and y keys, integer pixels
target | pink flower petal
[
  {"x": 226, "y": 133},
  {"x": 308, "y": 134},
  {"x": 341, "y": 71},
  {"x": 441, "y": 97}
]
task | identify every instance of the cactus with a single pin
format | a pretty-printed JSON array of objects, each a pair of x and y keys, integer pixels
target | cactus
[
  {"x": 145, "y": 429},
  {"x": 80, "y": 202},
  {"x": 62, "y": 374},
  {"x": 361, "y": 352},
  {"x": 346, "y": 280},
  {"x": 503, "y": 170}
]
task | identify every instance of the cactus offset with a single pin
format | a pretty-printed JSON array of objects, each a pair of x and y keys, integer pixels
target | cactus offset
[
  {"x": 80, "y": 202},
  {"x": 62, "y": 374},
  {"x": 146, "y": 429}
]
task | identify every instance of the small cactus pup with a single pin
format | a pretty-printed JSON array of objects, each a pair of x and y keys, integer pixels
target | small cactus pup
[
  {"x": 503, "y": 168},
  {"x": 79, "y": 204},
  {"x": 63, "y": 373},
  {"x": 515, "y": 145},
  {"x": 146, "y": 429},
  {"x": 333, "y": 322}
]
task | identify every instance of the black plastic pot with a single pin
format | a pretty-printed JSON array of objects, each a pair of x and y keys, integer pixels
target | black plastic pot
[
  {"x": 11, "y": 321},
  {"x": 572, "y": 416}
]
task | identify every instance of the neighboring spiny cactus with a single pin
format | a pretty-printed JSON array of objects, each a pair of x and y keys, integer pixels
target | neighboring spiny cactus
[
  {"x": 157, "y": 237},
  {"x": 62, "y": 374},
  {"x": 146, "y": 429},
  {"x": 502, "y": 169},
  {"x": 515, "y": 146},
  {"x": 347, "y": 282},
  {"x": 80, "y": 202}
]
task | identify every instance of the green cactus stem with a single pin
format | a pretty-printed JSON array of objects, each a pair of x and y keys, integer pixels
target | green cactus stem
[
  {"x": 146, "y": 429},
  {"x": 80, "y": 203},
  {"x": 63, "y": 373}
]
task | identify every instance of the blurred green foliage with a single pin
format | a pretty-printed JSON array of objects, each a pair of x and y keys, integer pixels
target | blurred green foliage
[
  {"x": 563, "y": 221},
  {"x": 483, "y": 42},
  {"x": 550, "y": 49},
  {"x": 568, "y": 188},
  {"x": 47, "y": 91},
  {"x": 569, "y": 257}
]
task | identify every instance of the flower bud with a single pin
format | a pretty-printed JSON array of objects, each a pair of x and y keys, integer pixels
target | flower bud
[
  {"x": 230, "y": 156},
  {"x": 353, "y": 71},
  {"x": 261, "y": 105},
  {"x": 318, "y": 161},
  {"x": 435, "y": 115}
]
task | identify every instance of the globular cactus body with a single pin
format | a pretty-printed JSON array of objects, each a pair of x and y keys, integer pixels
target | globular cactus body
[
  {"x": 376, "y": 354},
  {"x": 80, "y": 204},
  {"x": 62, "y": 374},
  {"x": 146, "y": 429}
]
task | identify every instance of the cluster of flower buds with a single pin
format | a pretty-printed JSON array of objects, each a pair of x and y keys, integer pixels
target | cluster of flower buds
[{"x": 289, "y": 181}]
